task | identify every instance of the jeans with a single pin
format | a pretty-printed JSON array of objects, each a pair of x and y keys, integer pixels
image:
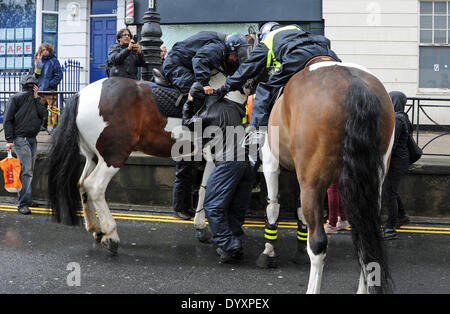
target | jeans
[
  {"x": 26, "y": 152},
  {"x": 228, "y": 196},
  {"x": 182, "y": 187}
]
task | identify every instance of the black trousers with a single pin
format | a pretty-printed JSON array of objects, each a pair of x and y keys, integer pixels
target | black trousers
[
  {"x": 393, "y": 200},
  {"x": 182, "y": 187}
]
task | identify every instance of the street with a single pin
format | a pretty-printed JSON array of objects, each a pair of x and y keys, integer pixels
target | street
[{"x": 159, "y": 254}]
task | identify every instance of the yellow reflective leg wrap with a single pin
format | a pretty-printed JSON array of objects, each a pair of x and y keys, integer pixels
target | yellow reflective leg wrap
[
  {"x": 302, "y": 232},
  {"x": 271, "y": 232}
]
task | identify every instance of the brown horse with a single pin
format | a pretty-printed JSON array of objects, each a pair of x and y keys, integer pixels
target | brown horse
[{"x": 334, "y": 120}]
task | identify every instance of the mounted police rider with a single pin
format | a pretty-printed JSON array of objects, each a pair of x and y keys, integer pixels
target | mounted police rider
[
  {"x": 191, "y": 61},
  {"x": 286, "y": 50}
]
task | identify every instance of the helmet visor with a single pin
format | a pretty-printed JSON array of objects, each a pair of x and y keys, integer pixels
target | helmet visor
[{"x": 242, "y": 53}]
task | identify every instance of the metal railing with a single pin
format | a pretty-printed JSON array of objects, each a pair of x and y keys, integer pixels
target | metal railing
[
  {"x": 420, "y": 108},
  {"x": 69, "y": 85}
]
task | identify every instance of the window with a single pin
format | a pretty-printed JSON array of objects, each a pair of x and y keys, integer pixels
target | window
[
  {"x": 434, "y": 50},
  {"x": 50, "y": 23}
]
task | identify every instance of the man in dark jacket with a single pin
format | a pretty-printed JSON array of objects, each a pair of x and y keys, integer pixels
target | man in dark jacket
[
  {"x": 125, "y": 56},
  {"x": 192, "y": 61},
  {"x": 228, "y": 191},
  {"x": 398, "y": 166},
  {"x": 49, "y": 75},
  {"x": 285, "y": 50},
  {"x": 23, "y": 119}
]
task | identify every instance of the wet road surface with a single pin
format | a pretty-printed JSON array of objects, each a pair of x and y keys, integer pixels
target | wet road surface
[{"x": 160, "y": 254}]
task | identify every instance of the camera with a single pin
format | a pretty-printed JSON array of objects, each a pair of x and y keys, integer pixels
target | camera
[{"x": 135, "y": 39}]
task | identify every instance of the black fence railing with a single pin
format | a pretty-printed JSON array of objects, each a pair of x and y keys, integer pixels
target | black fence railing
[{"x": 432, "y": 136}]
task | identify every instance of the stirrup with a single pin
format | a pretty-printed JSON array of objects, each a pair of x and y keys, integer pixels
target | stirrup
[{"x": 160, "y": 79}]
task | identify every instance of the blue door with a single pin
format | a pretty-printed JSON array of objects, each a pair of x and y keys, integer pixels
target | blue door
[{"x": 103, "y": 35}]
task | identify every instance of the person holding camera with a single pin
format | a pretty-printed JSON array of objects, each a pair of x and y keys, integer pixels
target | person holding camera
[{"x": 125, "y": 56}]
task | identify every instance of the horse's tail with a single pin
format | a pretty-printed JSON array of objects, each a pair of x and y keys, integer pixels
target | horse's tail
[
  {"x": 63, "y": 166},
  {"x": 360, "y": 182}
]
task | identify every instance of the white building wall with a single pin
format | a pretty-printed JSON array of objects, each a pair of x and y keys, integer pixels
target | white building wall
[
  {"x": 73, "y": 35},
  {"x": 383, "y": 36}
]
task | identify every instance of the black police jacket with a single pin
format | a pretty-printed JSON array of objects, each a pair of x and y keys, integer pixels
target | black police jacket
[
  {"x": 24, "y": 116},
  {"x": 283, "y": 43},
  {"x": 201, "y": 53},
  {"x": 124, "y": 62}
]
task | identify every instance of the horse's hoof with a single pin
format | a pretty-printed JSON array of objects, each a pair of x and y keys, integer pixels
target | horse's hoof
[
  {"x": 266, "y": 261},
  {"x": 98, "y": 237},
  {"x": 111, "y": 245},
  {"x": 203, "y": 235}
]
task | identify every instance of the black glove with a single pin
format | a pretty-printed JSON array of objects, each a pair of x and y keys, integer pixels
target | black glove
[
  {"x": 197, "y": 91},
  {"x": 221, "y": 92},
  {"x": 188, "y": 110}
]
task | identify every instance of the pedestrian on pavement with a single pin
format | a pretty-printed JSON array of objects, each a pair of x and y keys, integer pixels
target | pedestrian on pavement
[
  {"x": 163, "y": 53},
  {"x": 398, "y": 166},
  {"x": 23, "y": 119},
  {"x": 48, "y": 72},
  {"x": 192, "y": 61},
  {"x": 285, "y": 50},
  {"x": 337, "y": 218},
  {"x": 125, "y": 56}
]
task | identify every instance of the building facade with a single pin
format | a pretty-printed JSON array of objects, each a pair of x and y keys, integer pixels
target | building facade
[{"x": 404, "y": 42}]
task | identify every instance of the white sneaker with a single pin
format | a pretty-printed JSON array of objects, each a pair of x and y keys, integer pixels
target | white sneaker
[
  {"x": 342, "y": 224},
  {"x": 329, "y": 228}
]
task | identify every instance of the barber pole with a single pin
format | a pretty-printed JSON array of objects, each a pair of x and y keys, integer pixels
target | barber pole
[{"x": 129, "y": 18}]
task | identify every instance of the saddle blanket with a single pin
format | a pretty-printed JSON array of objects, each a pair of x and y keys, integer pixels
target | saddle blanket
[{"x": 166, "y": 99}]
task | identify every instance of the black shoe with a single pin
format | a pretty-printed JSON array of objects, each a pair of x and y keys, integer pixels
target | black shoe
[
  {"x": 403, "y": 221},
  {"x": 33, "y": 204},
  {"x": 389, "y": 234},
  {"x": 238, "y": 255},
  {"x": 182, "y": 215},
  {"x": 24, "y": 210},
  {"x": 224, "y": 256}
]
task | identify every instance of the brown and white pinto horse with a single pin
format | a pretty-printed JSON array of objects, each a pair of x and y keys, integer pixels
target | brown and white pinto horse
[
  {"x": 106, "y": 121},
  {"x": 334, "y": 120}
]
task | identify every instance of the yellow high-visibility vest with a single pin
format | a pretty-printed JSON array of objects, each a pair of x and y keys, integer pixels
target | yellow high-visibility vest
[{"x": 272, "y": 62}]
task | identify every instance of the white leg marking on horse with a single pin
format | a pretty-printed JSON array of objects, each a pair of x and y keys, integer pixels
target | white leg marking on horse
[
  {"x": 95, "y": 186},
  {"x": 362, "y": 287},
  {"x": 315, "y": 272},
  {"x": 91, "y": 222},
  {"x": 199, "y": 219},
  {"x": 269, "y": 249}
]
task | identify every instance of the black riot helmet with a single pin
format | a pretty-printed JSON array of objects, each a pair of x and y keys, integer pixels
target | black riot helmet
[
  {"x": 236, "y": 43},
  {"x": 266, "y": 28}
]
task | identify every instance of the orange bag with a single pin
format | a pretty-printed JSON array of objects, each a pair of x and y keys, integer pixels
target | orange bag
[{"x": 11, "y": 173}]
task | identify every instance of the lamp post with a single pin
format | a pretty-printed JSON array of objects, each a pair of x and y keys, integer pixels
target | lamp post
[{"x": 151, "y": 40}]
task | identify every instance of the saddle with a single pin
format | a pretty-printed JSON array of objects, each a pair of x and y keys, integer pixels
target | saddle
[
  {"x": 160, "y": 79},
  {"x": 168, "y": 98}
]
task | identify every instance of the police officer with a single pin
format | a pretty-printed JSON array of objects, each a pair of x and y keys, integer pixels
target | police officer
[
  {"x": 193, "y": 61},
  {"x": 125, "y": 56},
  {"x": 286, "y": 50}
]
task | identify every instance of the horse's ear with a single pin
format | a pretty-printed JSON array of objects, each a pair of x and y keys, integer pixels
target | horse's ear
[{"x": 251, "y": 30}]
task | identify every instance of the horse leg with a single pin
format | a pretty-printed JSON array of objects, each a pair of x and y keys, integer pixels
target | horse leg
[
  {"x": 301, "y": 256},
  {"x": 91, "y": 222},
  {"x": 199, "y": 219},
  {"x": 271, "y": 171},
  {"x": 312, "y": 202},
  {"x": 95, "y": 185}
]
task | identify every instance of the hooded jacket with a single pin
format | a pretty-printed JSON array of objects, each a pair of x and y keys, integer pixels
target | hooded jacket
[
  {"x": 24, "y": 115},
  {"x": 403, "y": 127},
  {"x": 51, "y": 73}
]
